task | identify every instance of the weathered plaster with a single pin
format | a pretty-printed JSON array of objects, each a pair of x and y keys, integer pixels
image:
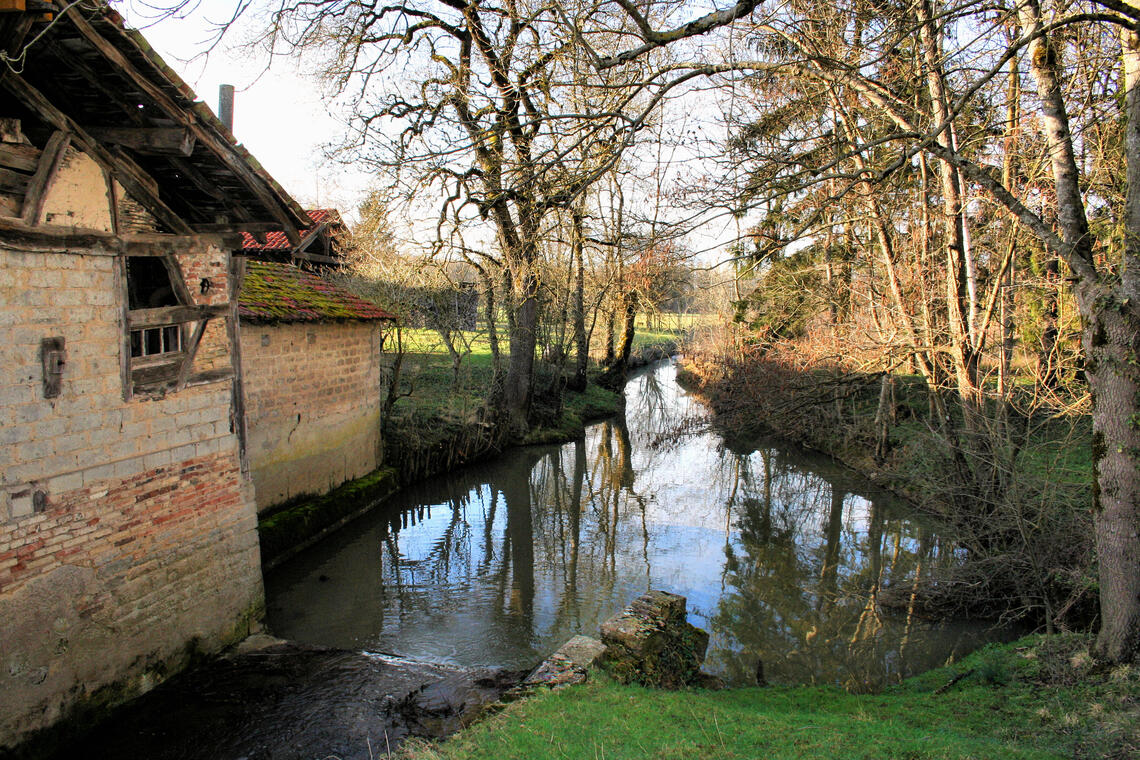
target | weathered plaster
[{"x": 79, "y": 196}]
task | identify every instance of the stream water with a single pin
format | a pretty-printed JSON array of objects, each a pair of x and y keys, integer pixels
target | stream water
[{"x": 781, "y": 555}]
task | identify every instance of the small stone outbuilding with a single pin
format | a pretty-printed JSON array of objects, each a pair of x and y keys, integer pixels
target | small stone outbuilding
[{"x": 311, "y": 367}]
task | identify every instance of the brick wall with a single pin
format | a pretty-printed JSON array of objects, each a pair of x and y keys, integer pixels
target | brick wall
[
  {"x": 312, "y": 401},
  {"x": 127, "y": 533},
  {"x": 211, "y": 265}
]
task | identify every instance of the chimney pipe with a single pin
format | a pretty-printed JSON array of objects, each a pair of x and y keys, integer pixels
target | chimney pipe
[{"x": 226, "y": 105}]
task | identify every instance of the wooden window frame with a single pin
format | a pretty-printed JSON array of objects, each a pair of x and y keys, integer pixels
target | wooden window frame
[{"x": 166, "y": 372}]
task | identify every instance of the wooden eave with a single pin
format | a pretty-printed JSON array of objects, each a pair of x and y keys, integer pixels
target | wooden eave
[
  {"x": 24, "y": 237},
  {"x": 114, "y": 97}
]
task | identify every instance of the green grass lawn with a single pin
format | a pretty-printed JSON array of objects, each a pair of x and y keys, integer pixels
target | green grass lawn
[
  {"x": 436, "y": 390},
  {"x": 439, "y": 392},
  {"x": 1036, "y": 698}
]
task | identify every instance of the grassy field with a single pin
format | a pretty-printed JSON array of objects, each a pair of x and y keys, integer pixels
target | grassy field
[
  {"x": 428, "y": 372},
  {"x": 1036, "y": 698},
  {"x": 437, "y": 390}
]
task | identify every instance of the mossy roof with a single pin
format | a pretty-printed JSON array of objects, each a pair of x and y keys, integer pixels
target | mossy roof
[{"x": 275, "y": 292}]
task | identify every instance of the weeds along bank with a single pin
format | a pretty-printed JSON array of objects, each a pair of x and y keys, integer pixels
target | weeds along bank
[{"x": 1014, "y": 489}]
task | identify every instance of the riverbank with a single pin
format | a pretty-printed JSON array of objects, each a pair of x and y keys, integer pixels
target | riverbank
[
  {"x": 1019, "y": 510},
  {"x": 1040, "y": 697}
]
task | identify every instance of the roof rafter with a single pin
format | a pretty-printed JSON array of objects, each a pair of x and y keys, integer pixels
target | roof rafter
[
  {"x": 129, "y": 174},
  {"x": 181, "y": 113}
]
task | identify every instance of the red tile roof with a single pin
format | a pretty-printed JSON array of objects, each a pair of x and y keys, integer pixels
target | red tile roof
[
  {"x": 276, "y": 241},
  {"x": 273, "y": 292}
]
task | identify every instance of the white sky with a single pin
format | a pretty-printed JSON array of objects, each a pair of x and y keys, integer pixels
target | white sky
[
  {"x": 278, "y": 113},
  {"x": 280, "y": 117}
]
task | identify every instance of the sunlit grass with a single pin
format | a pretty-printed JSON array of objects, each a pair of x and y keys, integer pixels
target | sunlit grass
[
  {"x": 1030, "y": 699},
  {"x": 437, "y": 390}
]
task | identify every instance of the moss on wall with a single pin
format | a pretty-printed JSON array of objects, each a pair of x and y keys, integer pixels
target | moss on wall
[{"x": 302, "y": 520}]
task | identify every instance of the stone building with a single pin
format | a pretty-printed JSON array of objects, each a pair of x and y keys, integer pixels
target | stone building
[
  {"x": 311, "y": 372},
  {"x": 127, "y": 520}
]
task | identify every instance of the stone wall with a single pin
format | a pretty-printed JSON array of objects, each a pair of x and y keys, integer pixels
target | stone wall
[
  {"x": 312, "y": 401},
  {"x": 127, "y": 532}
]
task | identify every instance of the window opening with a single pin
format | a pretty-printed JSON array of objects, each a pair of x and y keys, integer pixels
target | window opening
[
  {"x": 149, "y": 287},
  {"x": 148, "y": 283},
  {"x": 152, "y": 341}
]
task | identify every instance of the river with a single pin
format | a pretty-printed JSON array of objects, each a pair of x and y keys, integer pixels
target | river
[{"x": 780, "y": 553}]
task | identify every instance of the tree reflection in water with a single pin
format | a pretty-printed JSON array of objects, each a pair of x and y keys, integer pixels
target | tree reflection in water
[{"x": 781, "y": 556}]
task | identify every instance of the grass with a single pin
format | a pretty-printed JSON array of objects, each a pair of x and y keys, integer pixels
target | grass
[
  {"x": 438, "y": 392},
  {"x": 1036, "y": 698}
]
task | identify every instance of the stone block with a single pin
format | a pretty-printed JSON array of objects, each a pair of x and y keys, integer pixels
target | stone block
[
  {"x": 568, "y": 665},
  {"x": 652, "y": 644}
]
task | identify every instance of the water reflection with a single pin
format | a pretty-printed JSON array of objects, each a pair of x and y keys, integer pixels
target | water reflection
[{"x": 781, "y": 556}]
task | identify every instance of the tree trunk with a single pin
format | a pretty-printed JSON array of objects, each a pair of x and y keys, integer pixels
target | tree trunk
[
  {"x": 492, "y": 332},
  {"x": 1048, "y": 370},
  {"x": 582, "y": 345},
  {"x": 957, "y": 291},
  {"x": 520, "y": 367},
  {"x": 1009, "y": 171},
  {"x": 1110, "y": 336},
  {"x": 611, "y": 321}
]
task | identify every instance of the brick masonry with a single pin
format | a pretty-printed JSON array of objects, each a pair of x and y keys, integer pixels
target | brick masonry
[
  {"x": 127, "y": 531},
  {"x": 312, "y": 401}
]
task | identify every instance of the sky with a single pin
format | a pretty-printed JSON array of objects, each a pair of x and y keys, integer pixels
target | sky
[
  {"x": 280, "y": 117},
  {"x": 278, "y": 112}
]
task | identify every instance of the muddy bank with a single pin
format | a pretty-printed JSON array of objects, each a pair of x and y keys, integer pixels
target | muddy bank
[{"x": 290, "y": 701}]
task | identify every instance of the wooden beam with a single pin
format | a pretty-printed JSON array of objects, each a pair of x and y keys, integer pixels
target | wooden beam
[
  {"x": 191, "y": 352},
  {"x": 19, "y": 236},
  {"x": 154, "y": 244},
  {"x": 213, "y": 190},
  {"x": 129, "y": 174},
  {"x": 253, "y": 228},
  {"x": 159, "y": 388},
  {"x": 122, "y": 289},
  {"x": 310, "y": 236},
  {"x": 237, "y": 390},
  {"x": 151, "y": 141},
  {"x": 14, "y": 232},
  {"x": 181, "y": 114},
  {"x": 198, "y": 180},
  {"x": 177, "y": 281},
  {"x": 50, "y": 161},
  {"x": 22, "y": 157},
  {"x": 12, "y": 6},
  {"x": 171, "y": 315},
  {"x": 13, "y": 182},
  {"x": 112, "y": 191},
  {"x": 14, "y": 30},
  {"x": 316, "y": 258}
]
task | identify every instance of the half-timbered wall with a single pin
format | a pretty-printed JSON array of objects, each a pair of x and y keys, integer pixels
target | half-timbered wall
[{"x": 127, "y": 529}]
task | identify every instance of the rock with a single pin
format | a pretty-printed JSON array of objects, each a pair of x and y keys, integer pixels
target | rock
[
  {"x": 652, "y": 644},
  {"x": 568, "y": 665},
  {"x": 255, "y": 643}
]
